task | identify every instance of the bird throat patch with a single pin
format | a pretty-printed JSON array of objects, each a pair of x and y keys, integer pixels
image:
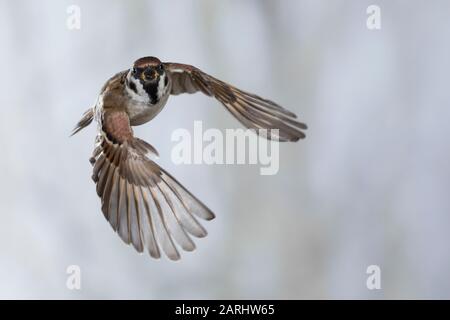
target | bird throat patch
[{"x": 152, "y": 91}]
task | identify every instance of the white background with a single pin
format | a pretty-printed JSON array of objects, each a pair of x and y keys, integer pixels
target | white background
[{"x": 369, "y": 185}]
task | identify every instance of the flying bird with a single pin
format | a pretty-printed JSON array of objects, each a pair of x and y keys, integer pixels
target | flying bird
[{"x": 144, "y": 204}]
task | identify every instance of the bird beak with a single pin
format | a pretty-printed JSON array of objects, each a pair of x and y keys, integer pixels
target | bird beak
[{"x": 149, "y": 76}]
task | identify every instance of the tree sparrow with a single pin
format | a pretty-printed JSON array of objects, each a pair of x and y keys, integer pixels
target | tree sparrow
[{"x": 143, "y": 203}]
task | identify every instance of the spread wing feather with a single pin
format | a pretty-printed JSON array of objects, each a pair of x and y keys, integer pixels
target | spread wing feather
[
  {"x": 144, "y": 204},
  {"x": 251, "y": 110}
]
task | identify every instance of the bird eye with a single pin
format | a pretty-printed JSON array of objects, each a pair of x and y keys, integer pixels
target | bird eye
[{"x": 160, "y": 67}]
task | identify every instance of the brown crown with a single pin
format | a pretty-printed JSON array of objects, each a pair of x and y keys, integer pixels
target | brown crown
[{"x": 147, "y": 62}]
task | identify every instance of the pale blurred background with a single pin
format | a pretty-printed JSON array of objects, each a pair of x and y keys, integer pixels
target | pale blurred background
[{"x": 369, "y": 185}]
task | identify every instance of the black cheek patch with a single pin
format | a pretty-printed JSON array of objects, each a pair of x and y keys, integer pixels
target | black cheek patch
[
  {"x": 166, "y": 81},
  {"x": 152, "y": 91},
  {"x": 132, "y": 86}
]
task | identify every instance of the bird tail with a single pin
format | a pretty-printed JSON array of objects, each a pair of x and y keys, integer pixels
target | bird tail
[{"x": 86, "y": 120}]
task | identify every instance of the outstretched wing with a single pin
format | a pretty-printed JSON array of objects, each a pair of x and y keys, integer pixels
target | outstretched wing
[
  {"x": 144, "y": 204},
  {"x": 251, "y": 110}
]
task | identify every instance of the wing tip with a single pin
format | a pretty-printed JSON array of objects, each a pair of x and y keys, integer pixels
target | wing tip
[
  {"x": 174, "y": 257},
  {"x": 210, "y": 215}
]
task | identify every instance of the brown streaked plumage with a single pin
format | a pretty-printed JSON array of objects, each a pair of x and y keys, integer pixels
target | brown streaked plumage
[
  {"x": 144, "y": 204},
  {"x": 146, "y": 61}
]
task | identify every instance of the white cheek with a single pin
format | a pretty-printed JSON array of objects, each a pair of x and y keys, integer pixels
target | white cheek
[
  {"x": 161, "y": 87},
  {"x": 141, "y": 95}
]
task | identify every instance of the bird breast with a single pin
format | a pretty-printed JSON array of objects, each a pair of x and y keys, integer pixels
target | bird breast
[{"x": 141, "y": 112}]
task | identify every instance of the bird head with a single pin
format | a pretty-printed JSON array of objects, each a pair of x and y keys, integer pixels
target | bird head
[{"x": 147, "y": 79}]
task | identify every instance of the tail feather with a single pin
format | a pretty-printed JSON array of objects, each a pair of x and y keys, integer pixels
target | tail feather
[{"x": 86, "y": 120}]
